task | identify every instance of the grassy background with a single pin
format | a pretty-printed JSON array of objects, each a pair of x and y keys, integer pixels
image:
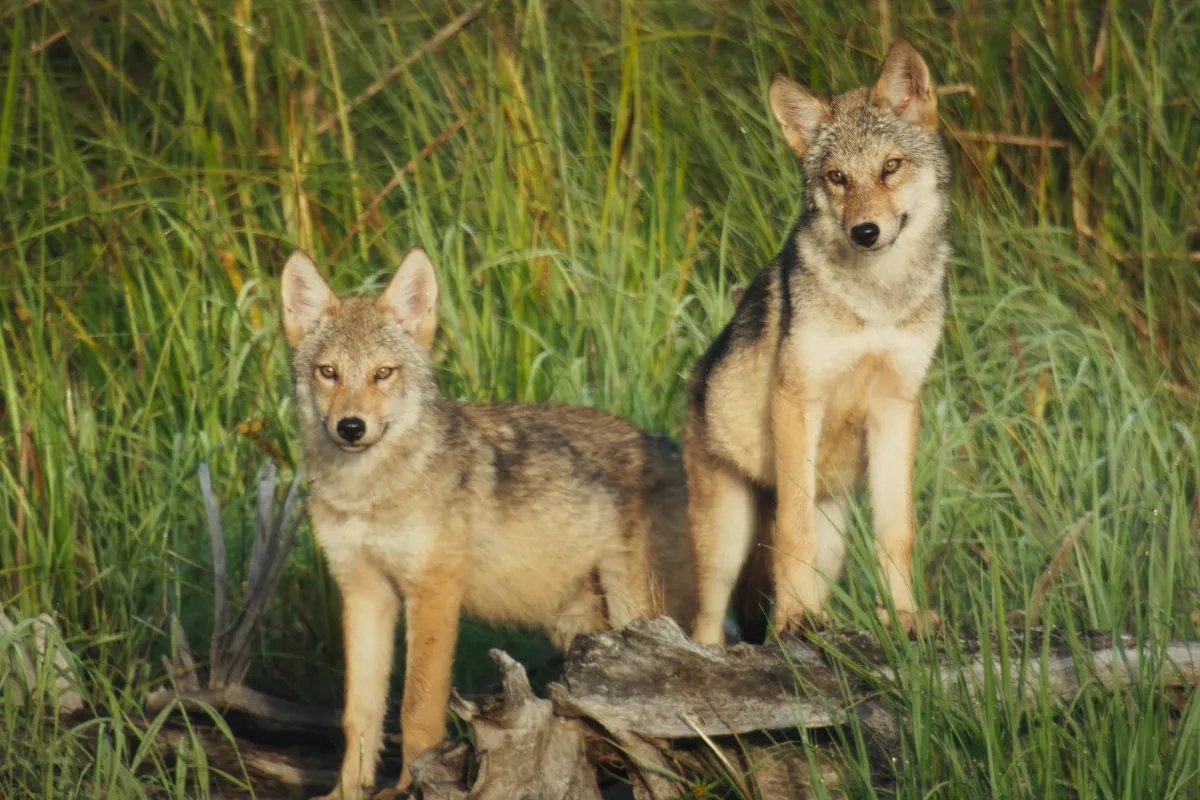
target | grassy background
[{"x": 592, "y": 179}]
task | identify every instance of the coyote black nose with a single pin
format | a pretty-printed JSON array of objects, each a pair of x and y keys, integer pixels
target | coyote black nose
[
  {"x": 351, "y": 429},
  {"x": 865, "y": 235}
]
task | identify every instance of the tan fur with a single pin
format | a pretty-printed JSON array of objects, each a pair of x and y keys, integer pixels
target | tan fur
[
  {"x": 813, "y": 387},
  {"x": 559, "y": 517}
]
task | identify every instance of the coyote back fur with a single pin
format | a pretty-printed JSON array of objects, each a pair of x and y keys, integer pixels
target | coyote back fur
[
  {"x": 561, "y": 517},
  {"x": 813, "y": 385}
]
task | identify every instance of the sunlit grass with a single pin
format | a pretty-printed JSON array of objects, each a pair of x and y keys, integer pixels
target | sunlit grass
[{"x": 608, "y": 173}]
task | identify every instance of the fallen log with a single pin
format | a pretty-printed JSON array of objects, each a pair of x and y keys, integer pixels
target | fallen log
[
  {"x": 650, "y": 679},
  {"x": 648, "y": 689}
]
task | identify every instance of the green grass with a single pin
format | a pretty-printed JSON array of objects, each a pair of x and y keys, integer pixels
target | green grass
[{"x": 616, "y": 174}]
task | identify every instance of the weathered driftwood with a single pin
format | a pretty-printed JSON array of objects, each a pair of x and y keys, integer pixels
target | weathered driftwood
[
  {"x": 649, "y": 678},
  {"x": 523, "y": 750},
  {"x": 647, "y": 687}
]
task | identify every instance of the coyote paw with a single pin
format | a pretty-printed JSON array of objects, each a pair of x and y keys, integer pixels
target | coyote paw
[
  {"x": 799, "y": 621},
  {"x": 401, "y": 789},
  {"x": 919, "y": 622}
]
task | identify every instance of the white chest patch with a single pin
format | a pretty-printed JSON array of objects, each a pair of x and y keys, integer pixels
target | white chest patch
[
  {"x": 824, "y": 355},
  {"x": 398, "y": 547}
]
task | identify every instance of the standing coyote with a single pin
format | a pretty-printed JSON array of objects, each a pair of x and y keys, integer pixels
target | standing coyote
[
  {"x": 813, "y": 385},
  {"x": 557, "y": 516}
]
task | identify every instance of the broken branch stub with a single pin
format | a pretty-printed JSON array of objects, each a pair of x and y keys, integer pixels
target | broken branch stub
[
  {"x": 274, "y": 534},
  {"x": 525, "y": 751},
  {"x": 273, "y": 538}
]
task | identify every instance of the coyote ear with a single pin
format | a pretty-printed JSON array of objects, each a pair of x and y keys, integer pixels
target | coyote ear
[
  {"x": 905, "y": 87},
  {"x": 412, "y": 296},
  {"x": 306, "y": 296},
  {"x": 798, "y": 112}
]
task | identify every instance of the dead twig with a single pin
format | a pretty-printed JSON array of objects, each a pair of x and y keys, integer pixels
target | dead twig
[
  {"x": 1049, "y": 574},
  {"x": 958, "y": 88},
  {"x": 269, "y": 712},
  {"x": 274, "y": 533},
  {"x": 392, "y": 184},
  {"x": 41, "y": 45},
  {"x": 1019, "y": 140},
  {"x": 438, "y": 39},
  {"x": 718, "y": 752}
]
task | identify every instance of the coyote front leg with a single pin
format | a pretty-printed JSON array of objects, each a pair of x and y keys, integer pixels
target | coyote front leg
[
  {"x": 800, "y": 589},
  {"x": 370, "y": 607},
  {"x": 432, "y": 608},
  {"x": 892, "y": 423},
  {"x": 722, "y": 526}
]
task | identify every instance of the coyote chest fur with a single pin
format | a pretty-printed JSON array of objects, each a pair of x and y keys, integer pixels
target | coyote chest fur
[
  {"x": 564, "y": 518},
  {"x": 812, "y": 387}
]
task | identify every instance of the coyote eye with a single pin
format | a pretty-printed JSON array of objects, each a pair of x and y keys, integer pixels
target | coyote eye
[
  {"x": 327, "y": 372},
  {"x": 383, "y": 373},
  {"x": 891, "y": 165},
  {"x": 835, "y": 177}
]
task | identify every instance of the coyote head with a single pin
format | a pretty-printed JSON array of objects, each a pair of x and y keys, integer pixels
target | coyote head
[
  {"x": 874, "y": 165},
  {"x": 360, "y": 365}
]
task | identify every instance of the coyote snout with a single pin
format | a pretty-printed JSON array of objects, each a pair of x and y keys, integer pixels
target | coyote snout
[
  {"x": 865, "y": 234},
  {"x": 351, "y": 429},
  {"x": 355, "y": 400},
  {"x": 867, "y": 192}
]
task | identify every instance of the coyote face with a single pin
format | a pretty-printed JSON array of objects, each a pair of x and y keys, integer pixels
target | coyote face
[
  {"x": 874, "y": 165},
  {"x": 361, "y": 366}
]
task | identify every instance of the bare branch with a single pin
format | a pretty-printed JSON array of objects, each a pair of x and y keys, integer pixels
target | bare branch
[
  {"x": 269, "y": 712},
  {"x": 445, "y": 33},
  {"x": 394, "y": 182},
  {"x": 997, "y": 137}
]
